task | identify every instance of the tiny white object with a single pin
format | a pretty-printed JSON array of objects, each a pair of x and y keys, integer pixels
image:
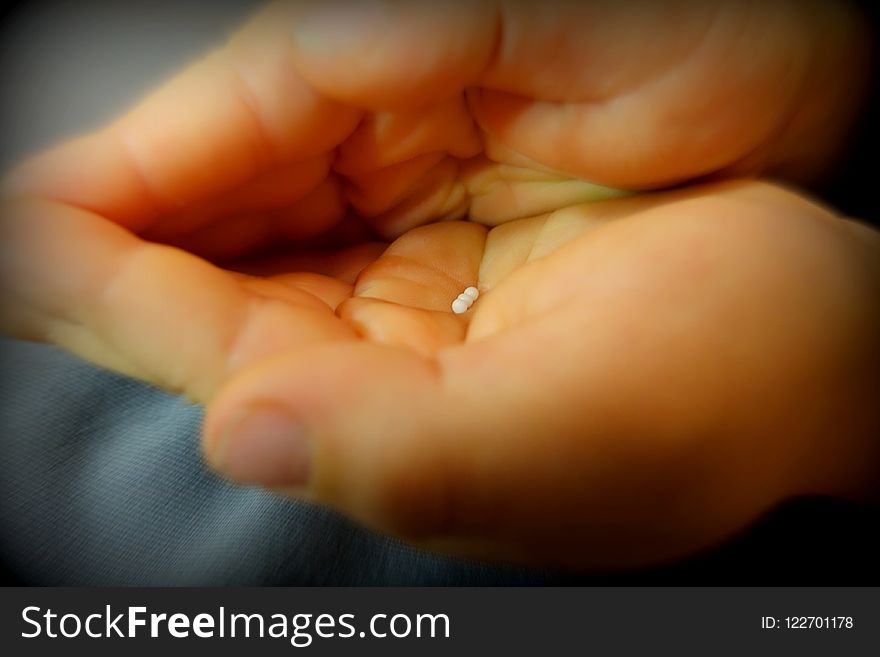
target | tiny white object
[
  {"x": 459, "y": 306},
  {"x": 472, "y": 292},
  {"x": 468, "y": 300}
]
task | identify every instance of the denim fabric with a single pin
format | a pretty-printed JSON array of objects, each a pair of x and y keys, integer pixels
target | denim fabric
[{"x": 102, "y": 483}]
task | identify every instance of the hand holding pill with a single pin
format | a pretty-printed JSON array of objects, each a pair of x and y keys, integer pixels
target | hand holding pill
[{"x": 496, "y": 278}]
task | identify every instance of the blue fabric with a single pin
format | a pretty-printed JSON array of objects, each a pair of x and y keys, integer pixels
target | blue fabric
[{"x": 102, "y": 483}]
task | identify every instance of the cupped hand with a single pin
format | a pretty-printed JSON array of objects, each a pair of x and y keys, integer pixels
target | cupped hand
[
  {"x": 640, "y": 378},
  {"x": 556, "y": 420}
]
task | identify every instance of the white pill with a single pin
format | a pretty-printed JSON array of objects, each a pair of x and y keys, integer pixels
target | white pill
[
  {"x": 459, "y": 306},
  {"x": 472, "y": 292},
  {"x": 468, "y": 300}
]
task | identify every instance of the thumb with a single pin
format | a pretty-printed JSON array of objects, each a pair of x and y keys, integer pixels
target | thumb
[{"x": 360, "y": 428}]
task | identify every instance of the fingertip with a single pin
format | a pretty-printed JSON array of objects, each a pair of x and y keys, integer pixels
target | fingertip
[
  {"x": 261, "y": 444},
  {"x": 350, "y": 426}
]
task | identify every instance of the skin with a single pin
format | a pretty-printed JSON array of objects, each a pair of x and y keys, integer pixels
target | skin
[{"x": 642, "y": 376}]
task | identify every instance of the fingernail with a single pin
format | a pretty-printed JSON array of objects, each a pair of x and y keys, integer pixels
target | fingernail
[{"x": 265, "y": 445}]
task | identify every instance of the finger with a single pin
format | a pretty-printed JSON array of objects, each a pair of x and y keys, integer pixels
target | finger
[
  {"x": 428, "y": 267},
  {"x": 230, "y": 117},
  {"x": 344, "y": 264},
  {"x": 402, "y": 167},
  {"x": 302, "y": 288},
  {"x": 622, "y": 94},
  {"x": 645, "y": 106},
  {"x": 229, "y": 238},
  {"x": 405, "y": 296},
  {"x": 147, "y": 310},
  {"x": 424, "y": 331},
  {"x": 280, "y": 187},
  {"x": 502, "y": 192},
  {"x": 317, "y": 213},
  {"x": 396, "y": 55}
]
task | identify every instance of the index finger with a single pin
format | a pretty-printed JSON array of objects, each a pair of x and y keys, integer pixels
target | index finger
[{"x": 240, "y": 110}]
